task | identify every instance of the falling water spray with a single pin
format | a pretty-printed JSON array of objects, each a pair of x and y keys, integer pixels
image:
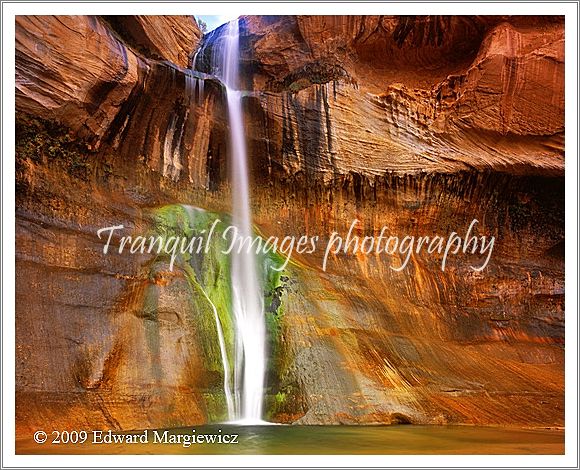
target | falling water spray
[{"x": 248, "y": 308}]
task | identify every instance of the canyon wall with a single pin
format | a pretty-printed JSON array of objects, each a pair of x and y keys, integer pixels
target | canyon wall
[{"x": 420, "y": 124}]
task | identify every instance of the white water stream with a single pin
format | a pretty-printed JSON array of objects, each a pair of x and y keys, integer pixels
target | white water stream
[{"x": 247, "y": 296}]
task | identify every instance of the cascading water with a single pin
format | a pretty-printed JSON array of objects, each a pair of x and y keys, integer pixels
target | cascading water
[
  {"x": 192, "y": 212},
  {"x": 248, "y": 308}
]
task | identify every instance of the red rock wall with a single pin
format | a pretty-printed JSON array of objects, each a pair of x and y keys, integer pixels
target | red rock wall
[{"x": 418, "y": 123}]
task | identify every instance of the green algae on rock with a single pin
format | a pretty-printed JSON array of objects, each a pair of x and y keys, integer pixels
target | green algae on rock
[{"x": 207, "y": 272}]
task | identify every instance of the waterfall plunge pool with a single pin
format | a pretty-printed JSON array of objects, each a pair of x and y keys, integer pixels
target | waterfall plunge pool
[{"x": 327, "y": 440}]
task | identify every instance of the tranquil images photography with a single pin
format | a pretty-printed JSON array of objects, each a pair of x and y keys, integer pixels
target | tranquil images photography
[{"x": 290, "y": 234}]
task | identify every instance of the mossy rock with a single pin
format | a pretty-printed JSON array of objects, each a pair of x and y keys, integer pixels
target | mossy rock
[
  {"x": 209, "y": 278},
  {"x": 48, "y": 142}
]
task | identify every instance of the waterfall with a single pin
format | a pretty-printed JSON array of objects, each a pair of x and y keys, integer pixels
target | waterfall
[
  {"x": 224, "y": 355},
  {"x": 247, "y": 303},
  {"x": 192, "y": 212}
]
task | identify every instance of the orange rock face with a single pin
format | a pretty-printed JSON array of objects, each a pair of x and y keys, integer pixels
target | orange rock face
[
  {"x": 166, "y": 37},
  {"x": 72, "y": 70},
  {"x": 410, "y": 94},
  {"x": 421, "y": 124}
]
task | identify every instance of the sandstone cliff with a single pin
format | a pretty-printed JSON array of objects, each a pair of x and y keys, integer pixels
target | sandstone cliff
[
  {"x": 167, "y": 37},
  {"x": 417, "y": 123}
]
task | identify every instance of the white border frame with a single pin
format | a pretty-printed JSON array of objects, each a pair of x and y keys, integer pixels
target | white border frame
[{"x": 10, "y": 10}]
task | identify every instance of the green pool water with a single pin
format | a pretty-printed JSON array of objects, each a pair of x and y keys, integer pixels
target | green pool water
[{"x": 297, "y": 440}]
